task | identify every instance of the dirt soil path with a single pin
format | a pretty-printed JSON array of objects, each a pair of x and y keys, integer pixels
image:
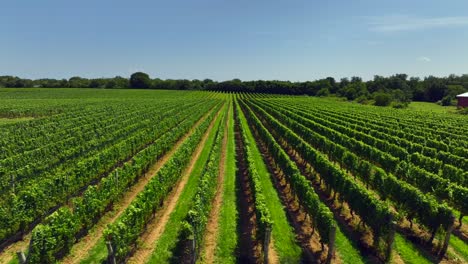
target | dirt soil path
[
  {"x": 157, "y": 225},
  {"x": 212, "y": 226},
  {"x": 81, "y": 249},
  {"x": 10, "y": 252},
  {"x": 273, "y": 257}
]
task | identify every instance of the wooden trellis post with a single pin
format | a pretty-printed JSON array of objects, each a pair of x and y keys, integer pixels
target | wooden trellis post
[
  {"x": 194, "y": 250},
  {"x": 21, "y": 257},
  {"x": 13, "y": 183},
  {"x": 266, "y": 244},
  {"x": 446, "y": 240},
  {"x": 331, "y": 244},
  {"x": 390, "y": 240},
  {"x": 110, "y": 253}
]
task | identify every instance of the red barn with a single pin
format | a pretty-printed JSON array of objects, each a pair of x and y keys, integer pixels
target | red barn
[{"x": 462, "y": 100}]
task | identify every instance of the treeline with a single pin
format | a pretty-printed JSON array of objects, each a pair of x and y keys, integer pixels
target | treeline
[{"x": 380, "y": 90}]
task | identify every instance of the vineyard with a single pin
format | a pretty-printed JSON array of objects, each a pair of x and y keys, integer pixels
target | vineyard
[{"x": 159, "y": 176}]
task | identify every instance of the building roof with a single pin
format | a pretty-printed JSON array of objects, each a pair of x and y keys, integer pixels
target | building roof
[{"x": 462, "y": 95}]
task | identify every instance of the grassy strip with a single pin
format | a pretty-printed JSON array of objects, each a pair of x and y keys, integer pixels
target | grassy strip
[
  {"x": 460, "y": 247},
  {"x": 5, "y": 121},
  {"x": 408, "y": 252},
  {"x": 457, "y": 215},
  {"x": 227, "y": 237},
  {"x": 165, "y": 246},
  {"x": 98, "y": 254},
  {"x": 15, "y": 260},
  {"x": 282, "y": 233},
  {"x": 347, "y": 249}
]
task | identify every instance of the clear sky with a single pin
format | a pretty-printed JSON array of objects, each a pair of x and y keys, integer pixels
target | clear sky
[{"x": 226, "y": 39}]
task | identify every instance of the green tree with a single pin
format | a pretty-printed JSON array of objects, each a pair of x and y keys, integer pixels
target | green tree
[
  {"x": 78, "y": 82},
  {"x": 382, "y": 99},
  {"x": 323, "y": 92},
  {"x": 447, "y": 100},
  {"x": 140, "y": 80},
  {"x": 354, "y": 90},
  {"x": 435, "y": 88}
]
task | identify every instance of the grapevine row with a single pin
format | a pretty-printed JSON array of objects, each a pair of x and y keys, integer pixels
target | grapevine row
[
  {"x": 264, "y": 221},
  {"x": 29, "y": 204},
  {"x": 413, "y": 149},
  {"x": 124, "y": 232},
  {"x": 376, "y": 214},
  {"x": 195, "y": 223},
  {"x": 320, "y": 213},
  {"x": 36, "y": 162},
  {"x": 456, "y": 195},
  {"x": 426, "y": 209},
  {"x": 53, "y": 238}
]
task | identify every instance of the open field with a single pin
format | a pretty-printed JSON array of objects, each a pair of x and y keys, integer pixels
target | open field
[{"x": 159, "y": 176}]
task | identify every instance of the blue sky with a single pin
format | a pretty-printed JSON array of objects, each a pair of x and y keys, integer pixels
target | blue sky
[{"x": 221, "y": 39}]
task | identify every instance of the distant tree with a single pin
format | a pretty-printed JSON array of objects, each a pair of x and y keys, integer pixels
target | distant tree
[
  {"x": 401, "y": 76},
  {"x": 140, "y": 80},
  {"x": 196, "y": 85},
  {"x": 334, "y": 85},
  {"x": 158, "y": 84},
  {"x": 15, "y": 82},
  {"x": 362, "y": 99},
  {"x": 435, "y": 88},
  {"x": 323, "y": 92},
  {"x": 344, "y": 82},
  {"x": 454, "y": 90},
  {"x": 97, "y": 83},
  {"x": 51, "y": 83},
  {"x": 63, "y": 83},
  {"x": 182, "y": 84},
  {"x": 356, "y": 79},
  {"x": 446, "y": 101},
  {"x": 120, "y": 82},
  {"x": 170, "y": 84},
  {"x": 78, "y": 82},
  {"x": 354, "y": 90},
  {"x": 234, "y": 85},
  {"x": 378, "y": 83},
  {"x": 209, "y": 84},
  {"x": 400, "y": 96},
  {"x": 382, "y": 99},
  {"x": 419, "y": 93}
]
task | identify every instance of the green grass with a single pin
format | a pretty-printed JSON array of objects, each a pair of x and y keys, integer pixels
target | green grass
[
  {"x": 166, "y": 244},
  {"x": 460, "y": 247},
  {"x": 432, "y": 107},
  {"x": 408, "y": 252},
  {"x": 283, "y": 235},
  {"x": 346, "y": 249},
  {"x": 5, "y": 121},
  {"x": 227, "y": 237},
  {"x": 98, "y": 254},
  {"x": 457, "y": 215},
  {"x": 15, "y": 260}
]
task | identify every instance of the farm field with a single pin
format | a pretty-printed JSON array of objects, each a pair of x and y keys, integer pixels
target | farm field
[{"x": 160, "y": 176}]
